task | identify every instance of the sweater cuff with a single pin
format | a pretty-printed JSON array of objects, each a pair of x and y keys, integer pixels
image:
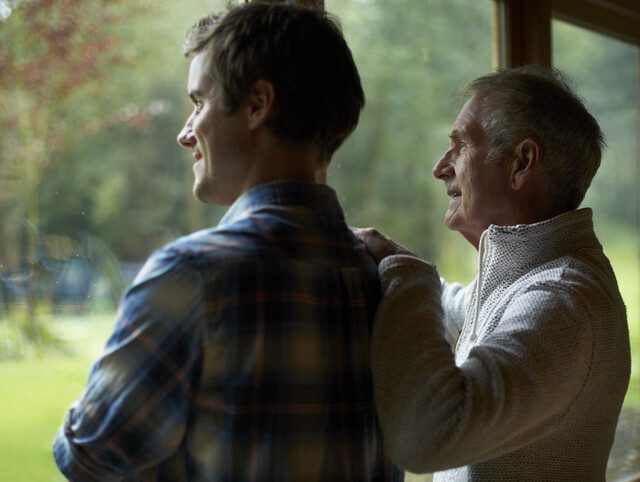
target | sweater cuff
[{"x": 407, "y": 266}]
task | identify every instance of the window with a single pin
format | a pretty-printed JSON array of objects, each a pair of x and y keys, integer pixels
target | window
[
  {"x": 113, "y": 185},
  {"x": 612, "y": 96},
  {"x": 92, "y": 184},
  {"x": 412, "y": 59}
]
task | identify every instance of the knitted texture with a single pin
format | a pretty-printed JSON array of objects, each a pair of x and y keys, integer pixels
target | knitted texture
[{"x": 535, "y": 384}]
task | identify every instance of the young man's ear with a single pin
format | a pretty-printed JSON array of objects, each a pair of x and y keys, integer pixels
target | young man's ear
[
  {"x": 526, "y": 163},
  {"x": 260, "y": 103}
]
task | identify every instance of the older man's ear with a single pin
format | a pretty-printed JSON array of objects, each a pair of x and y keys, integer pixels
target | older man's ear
[{"x": 526, "y": 165}]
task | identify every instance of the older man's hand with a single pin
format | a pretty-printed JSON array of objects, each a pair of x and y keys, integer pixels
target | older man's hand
[{"x": 378, "y": 244}]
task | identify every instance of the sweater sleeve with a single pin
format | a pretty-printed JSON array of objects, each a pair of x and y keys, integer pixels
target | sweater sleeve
[
  {"x": 522, "y": 379},
  {"x": 455, "y": 298}
]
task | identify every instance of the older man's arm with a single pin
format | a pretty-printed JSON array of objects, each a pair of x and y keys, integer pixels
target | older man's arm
[
  {"x": 435, "y": 415},
  {"x": 454, "y": 295}
]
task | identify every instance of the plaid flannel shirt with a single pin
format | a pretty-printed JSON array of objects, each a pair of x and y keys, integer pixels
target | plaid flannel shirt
[{"x": 240, "y": 353}]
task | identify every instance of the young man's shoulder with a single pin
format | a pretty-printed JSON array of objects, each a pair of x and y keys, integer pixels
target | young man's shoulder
[
  {"x": 258, "y": 241},
  {"x": 207, "y": 247}
]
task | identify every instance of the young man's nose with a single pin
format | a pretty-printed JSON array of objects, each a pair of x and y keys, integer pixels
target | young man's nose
[{"x": 186, "y": 137}]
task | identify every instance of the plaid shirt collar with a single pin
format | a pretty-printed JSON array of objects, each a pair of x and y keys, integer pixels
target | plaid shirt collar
[{"x": 283, "y": 193}]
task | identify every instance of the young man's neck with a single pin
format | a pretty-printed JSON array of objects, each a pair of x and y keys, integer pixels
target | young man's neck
[{"x": 276, "y": 160}]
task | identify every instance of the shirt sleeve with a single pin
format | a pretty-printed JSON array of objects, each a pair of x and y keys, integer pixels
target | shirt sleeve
[
  {"x": 521, "y": 379},
  {"x": 136, "y": 405}
]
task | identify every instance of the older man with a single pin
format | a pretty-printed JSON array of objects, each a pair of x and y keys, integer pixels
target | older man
[
  {"x": 534, "y": 386},
  {"x": 241, "y": 352}
]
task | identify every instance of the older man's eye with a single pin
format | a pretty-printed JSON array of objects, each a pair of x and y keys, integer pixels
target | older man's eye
[{"x": 456, "y": 143}]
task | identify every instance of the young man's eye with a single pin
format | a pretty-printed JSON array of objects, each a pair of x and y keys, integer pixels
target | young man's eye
[{"x": 197, "y": 104}]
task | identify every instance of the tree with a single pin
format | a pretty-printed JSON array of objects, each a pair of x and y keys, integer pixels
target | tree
[
  {"x": 412, "y": 60},
  {"x": 51, "y": 53}
]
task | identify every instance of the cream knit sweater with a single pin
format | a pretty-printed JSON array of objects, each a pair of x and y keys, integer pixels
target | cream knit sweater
[{"x": 542, "y": 363}]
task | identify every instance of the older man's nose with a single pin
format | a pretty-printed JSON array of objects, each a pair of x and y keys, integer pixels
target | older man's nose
[{"x": 443, "y": 168}]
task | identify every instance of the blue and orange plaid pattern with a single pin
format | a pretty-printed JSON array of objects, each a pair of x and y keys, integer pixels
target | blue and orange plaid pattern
[{"x": 240, "y": 353}]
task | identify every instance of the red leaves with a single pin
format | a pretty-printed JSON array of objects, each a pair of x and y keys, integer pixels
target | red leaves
[
  {"x": 51, "y": 51},
  {"x": 60, "y": 46}
]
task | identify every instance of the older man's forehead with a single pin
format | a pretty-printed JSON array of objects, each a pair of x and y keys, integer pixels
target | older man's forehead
[
  {"x": 467, "y": 126},
  {"x": 468, "y": 121}
]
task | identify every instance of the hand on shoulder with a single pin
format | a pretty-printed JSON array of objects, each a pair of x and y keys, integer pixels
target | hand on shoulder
[{"x": 379, "y": 245}]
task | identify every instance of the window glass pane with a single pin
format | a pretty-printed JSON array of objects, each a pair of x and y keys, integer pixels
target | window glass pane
[
  {"x": 92, "y": 96},
  {"x": 605, "y": 72},
  {"x": 412, "y": 59}
]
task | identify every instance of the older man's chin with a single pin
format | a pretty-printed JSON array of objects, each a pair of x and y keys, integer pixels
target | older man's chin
[
  {"x": 450, "y": 216},
  {"x": 455, "y": 224}
]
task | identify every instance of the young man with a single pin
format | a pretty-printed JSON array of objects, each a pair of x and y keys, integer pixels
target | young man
[{"x": 241, "y": 352}]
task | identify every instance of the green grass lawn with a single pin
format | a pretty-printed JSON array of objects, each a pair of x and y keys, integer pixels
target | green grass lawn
[
  {"x": 36, "y": 392},
  {"x": 624, "y": 259}
]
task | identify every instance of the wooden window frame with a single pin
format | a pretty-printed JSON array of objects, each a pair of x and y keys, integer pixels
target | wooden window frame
[{"x": 522, "y": 33}]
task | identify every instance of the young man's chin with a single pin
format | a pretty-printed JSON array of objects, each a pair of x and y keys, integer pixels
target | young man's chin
[
  {"x": 209, "y": 195},
  {"x": 200, "y": 192}
]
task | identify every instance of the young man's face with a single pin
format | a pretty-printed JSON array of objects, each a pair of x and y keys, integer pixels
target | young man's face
[
  {"x": 478, "y": 191},
  {"x": 216, "y": 137}
]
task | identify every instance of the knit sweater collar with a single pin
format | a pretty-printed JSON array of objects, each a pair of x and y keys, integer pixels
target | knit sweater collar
[
  {"x": 524, "y": 245},
  {"x": 508, "y": 252}
]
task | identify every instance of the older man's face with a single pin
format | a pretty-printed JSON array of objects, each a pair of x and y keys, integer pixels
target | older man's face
[{"x": 478, "y": 192}]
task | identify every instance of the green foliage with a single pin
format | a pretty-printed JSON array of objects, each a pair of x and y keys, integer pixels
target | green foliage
[
  {"x": 108, "y": 159},
  {"x": 412, "y": 62},
  {"x": 605, "y": 73},
  {"x": 623, "y": 254},
  {"x": 612, "y": 96},
  {"x": 124, "y": 179},
  {"x": 53, "y": 55},
  {"x": 115, "y": 172}
]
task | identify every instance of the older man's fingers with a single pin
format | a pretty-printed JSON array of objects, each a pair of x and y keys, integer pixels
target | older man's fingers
[{"x": 378, "y": 244}]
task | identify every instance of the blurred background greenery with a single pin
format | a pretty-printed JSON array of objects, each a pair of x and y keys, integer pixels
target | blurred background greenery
[{"x": 92, "y": 95}]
